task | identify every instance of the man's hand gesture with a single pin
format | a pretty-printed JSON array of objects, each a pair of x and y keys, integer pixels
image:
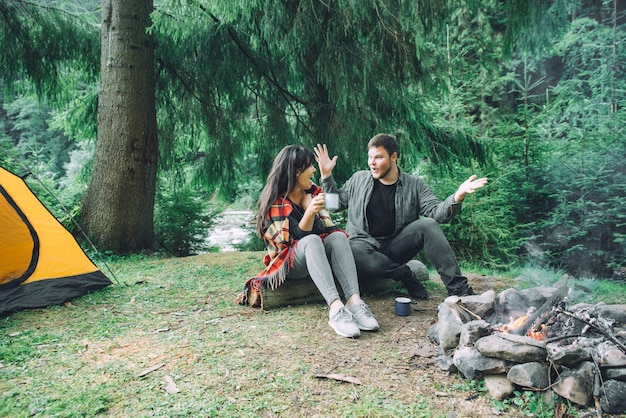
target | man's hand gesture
[
  {"x": 469, "y": 186},
  {"x": 325, "y": 163}
]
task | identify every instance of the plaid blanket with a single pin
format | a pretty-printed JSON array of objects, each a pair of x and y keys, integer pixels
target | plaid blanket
[{"x": 280, "y": 247}]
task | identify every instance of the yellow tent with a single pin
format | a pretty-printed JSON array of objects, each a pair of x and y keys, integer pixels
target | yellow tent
[{"x": 41, "y": 263}]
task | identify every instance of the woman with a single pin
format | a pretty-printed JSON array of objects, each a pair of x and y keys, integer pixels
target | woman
[{"x": 302, "y": 241}]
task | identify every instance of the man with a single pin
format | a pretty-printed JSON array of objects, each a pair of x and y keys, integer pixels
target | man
[{"x": 384, "y": 224}]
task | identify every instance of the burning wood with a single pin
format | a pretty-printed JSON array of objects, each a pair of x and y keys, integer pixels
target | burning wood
[
  {"x": 533, "y": 319},
  {"x": 514, "y": 323}
]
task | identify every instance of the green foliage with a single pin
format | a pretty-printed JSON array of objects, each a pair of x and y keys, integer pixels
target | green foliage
[
  {"x": 181, "y": 220},
  {"x": 313, "y": 74},
  {"x": 474, "y": 385},
  {"x": 6, "y": 147},
  {"x": 45, "y": 156},
  {"x": 50, "y": 62},
  {"x": 39, "y": 40},
  {"x": 485, "y": 232},
  {"x": 582, "y": 233},
  {"x": 530, "y": 403},
  {"x": 579, "y": 157},
  {"x": 42, "y": 148}
]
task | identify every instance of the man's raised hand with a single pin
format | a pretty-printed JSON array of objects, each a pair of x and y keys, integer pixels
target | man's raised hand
[
  {"x": 325, "y": 163},
  {"x": 469, "y": 186}
]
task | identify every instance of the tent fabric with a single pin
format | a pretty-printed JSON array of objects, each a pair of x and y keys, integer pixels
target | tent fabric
[{"x": 41, "y": 262}]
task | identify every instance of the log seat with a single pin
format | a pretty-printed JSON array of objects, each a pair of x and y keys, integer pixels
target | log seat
[{"x": 302, "y": 291}]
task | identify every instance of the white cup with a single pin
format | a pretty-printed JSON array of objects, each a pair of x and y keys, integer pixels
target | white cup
[{"x": 331, "y": 201}]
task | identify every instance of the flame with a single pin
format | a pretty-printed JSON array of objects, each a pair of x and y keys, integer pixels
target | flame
[{"x": 515, "y": 323}]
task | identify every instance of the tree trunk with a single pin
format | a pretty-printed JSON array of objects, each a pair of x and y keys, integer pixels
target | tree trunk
[{"x": 119, "y": 204}]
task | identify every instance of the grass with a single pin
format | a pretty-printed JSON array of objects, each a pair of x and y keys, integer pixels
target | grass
[{"x": 113, "y": 352}]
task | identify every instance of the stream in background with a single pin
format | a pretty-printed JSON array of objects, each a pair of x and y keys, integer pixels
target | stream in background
[{"x": 231, "y": 227}]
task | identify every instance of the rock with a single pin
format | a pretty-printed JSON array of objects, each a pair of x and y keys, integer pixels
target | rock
[
  {"x": 613, "y": 397},
  {"x": 515, "y": 348},
  {"x": 473, "y": 365},
  {"x": 535, "y": 375},
  {"x": 481, "y": 305},
  {"x": 569, "y": 356},
  {"x": 510, "y": 303},
  {"x": 472, "y": 340},
  {"x": 420, "y": 271},
  {"x": 451, "y": 318},
  {"x": 579, "y": 307},
  {"x": 617, "y": 373},
  {"x": 472, "y": 331},
  {"x": 608, "y": 354},
  {"x": 499, "y": 386},
  {"x": 446, "y": 363},
  {"x": 577, "y": 385},
  {"x": 433, "y": 333},
  {"x": 536, "y": 296},
  {"x": 615, "y": 312}
]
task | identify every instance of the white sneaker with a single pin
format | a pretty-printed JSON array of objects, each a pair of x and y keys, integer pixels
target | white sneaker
[
  {"x": 363, "y": 316},
  {"x": 343, "y": 323}
]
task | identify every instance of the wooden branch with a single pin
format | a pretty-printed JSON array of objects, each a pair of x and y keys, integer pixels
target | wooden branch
[
  {"x": 561, "y": 337},
  {"x": 340, "y": 377},
  {"x": 150, "y": 370},
  {"x": 468, "y": 311}
]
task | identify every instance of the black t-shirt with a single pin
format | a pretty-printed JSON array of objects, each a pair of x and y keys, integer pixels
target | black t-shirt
[
  {"x": 381, "y": 210},
  {"x": 296, "y": 216}
]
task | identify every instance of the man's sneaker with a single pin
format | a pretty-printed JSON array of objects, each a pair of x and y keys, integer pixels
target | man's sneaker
[
  {"x": 363, "y": 316},
  {"x": 343, "y": 323},
  {"x": 416, "y": 289}
]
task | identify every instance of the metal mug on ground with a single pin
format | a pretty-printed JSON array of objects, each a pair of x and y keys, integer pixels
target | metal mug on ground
[
  {"x": 331, "y": 201},
  {"x": 403, "y": 306}
]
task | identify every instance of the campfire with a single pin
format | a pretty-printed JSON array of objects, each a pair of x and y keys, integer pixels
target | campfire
[{"x": 532, "y": 340}]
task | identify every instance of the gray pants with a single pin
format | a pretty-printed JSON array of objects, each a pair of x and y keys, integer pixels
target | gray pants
[
  {"x": 325, "y": 260},
  {"x": 389, "y": 260}
]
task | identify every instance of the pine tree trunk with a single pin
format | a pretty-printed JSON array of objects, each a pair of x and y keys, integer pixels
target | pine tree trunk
[{"x": 119, "y": 204}]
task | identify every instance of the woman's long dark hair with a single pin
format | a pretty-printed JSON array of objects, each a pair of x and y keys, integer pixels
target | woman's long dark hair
[{"x": 290, "y": 161}]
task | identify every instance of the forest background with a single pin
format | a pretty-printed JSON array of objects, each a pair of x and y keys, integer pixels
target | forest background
[{"x": 147, "y": 119}]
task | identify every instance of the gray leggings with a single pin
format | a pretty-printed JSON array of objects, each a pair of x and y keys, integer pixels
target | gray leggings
[{"x": 320, "y": 259}]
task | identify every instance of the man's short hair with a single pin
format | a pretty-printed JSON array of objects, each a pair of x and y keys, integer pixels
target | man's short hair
[{"x": 387, "y": 141}]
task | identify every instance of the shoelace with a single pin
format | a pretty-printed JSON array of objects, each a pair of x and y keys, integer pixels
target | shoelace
[
  {"x": 366, "y": 309},
  {"x": 343, "y": 314}
]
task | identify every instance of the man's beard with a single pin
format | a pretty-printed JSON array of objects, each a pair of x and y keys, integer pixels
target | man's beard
[{"x": 383, "y": 175}]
